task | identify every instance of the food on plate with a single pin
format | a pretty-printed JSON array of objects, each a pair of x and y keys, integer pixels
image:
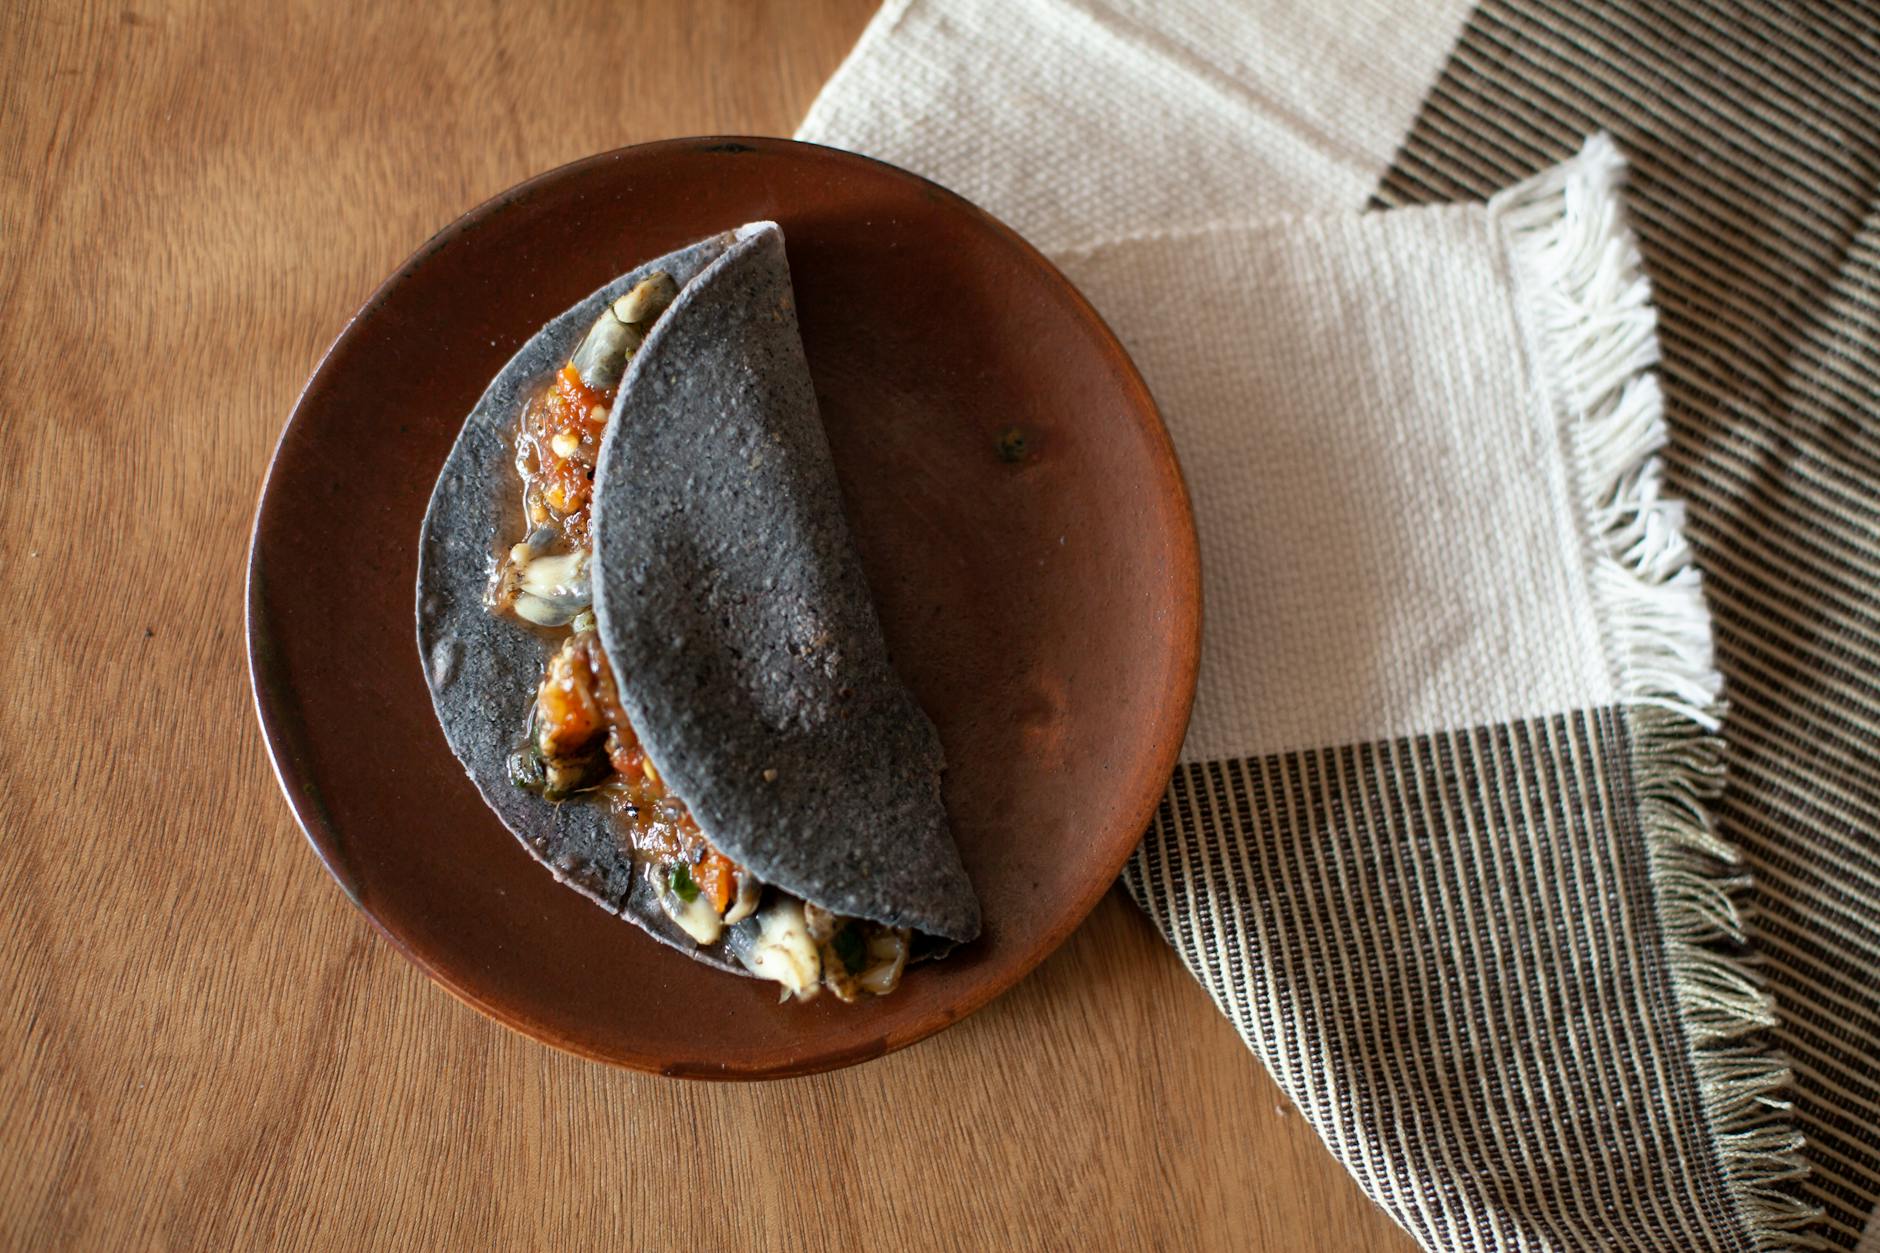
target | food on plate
[{"x": 649, "y": 639}]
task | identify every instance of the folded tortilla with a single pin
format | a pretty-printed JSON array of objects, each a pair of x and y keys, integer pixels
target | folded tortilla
[{"x": 731, "y": 605}]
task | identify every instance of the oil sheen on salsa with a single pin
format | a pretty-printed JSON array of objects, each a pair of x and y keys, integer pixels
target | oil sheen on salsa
[
  {"x": 578, "y": 704},
  {"x": 556, "y": 450}
]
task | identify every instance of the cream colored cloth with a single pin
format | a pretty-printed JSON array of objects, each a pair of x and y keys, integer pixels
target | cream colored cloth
[
  {"x": 1078, "y": 121},
  {"x": 1347, "y": 460}
]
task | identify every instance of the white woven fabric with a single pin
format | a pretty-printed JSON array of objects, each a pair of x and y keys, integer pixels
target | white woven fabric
[
  {"x": 1077, "y": 121},
  {"x": 1355, "y": 414}
]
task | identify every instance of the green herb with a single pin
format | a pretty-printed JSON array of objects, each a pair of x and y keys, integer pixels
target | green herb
[
  {"x": 1012, "y": 445},
  {"x": 682, "y": 885},
  {"x": 849, "y": 947}
]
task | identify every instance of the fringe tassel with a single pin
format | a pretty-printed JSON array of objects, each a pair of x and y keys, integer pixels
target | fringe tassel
[{"x": 1595, "y": 334}]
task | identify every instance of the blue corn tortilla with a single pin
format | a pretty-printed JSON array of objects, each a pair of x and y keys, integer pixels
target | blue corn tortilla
[
  {"x": 732, "y": 604},
  {"x": 876, "y": 843},
  {"x": 483, "y": 668}
]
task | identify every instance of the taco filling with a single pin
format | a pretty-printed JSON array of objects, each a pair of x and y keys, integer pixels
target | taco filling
[{"x": 579, "y": 739}]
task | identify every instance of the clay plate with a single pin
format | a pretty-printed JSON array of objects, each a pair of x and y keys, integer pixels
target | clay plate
[{"x": 1020, "y": 515}]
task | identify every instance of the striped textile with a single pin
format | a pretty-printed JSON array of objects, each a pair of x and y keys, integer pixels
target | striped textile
[
  {"x": 1304, "y": 889},
  {"x": 1754, "y": 135}
]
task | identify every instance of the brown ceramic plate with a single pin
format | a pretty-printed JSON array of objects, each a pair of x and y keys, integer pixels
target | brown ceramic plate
[{"x": 1018, "y": 509}]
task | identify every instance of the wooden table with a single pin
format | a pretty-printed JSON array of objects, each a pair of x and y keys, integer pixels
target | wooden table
[{"x": 204, "y": 1045}]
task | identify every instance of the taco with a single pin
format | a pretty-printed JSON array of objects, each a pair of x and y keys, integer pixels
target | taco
[{"x": 649, "y": 639}]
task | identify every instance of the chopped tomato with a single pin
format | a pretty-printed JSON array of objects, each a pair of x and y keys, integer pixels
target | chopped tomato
[
  {"x": 624, "y": 751},
  {"x": 717, "y": 879},
  {"x": 559, "y": 440},
  {"x": 567, "y": 712}
]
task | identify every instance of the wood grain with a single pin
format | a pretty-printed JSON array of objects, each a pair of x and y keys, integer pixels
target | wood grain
[{"x": 205, "y": 1045}]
